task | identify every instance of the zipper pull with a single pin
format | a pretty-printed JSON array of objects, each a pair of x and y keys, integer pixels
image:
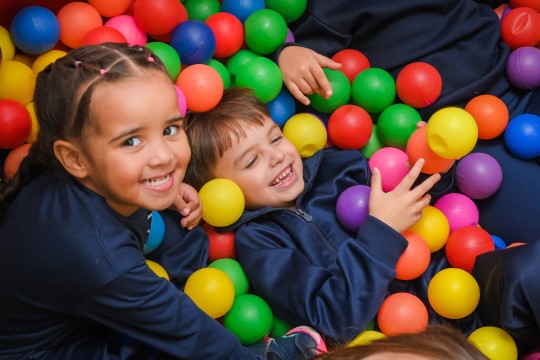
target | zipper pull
[{"x": 305, "y": 215}]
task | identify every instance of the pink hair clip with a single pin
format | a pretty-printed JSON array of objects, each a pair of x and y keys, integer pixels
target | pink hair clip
[
  {"x": 150, "y": 59},
  {"x": 77, "y": 63},
  {"x": 102, "y": 72}
]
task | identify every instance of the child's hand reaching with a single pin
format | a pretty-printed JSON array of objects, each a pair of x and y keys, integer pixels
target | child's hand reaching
[
  {"x": 402, "y": 207},
  {"x": 302, "y": 71},
  {"x": 189, "y": 205}
]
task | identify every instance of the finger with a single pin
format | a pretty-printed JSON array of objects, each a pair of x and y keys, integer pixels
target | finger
[
  {"x": 329, "y": 63},
  {"x": 409, "y": 179},
  {"x": 297, "y": 93},
  {"x": 427, "y": 184},
  {"x": 323, "y": 85},
  {"x": 376, "y": 180}
]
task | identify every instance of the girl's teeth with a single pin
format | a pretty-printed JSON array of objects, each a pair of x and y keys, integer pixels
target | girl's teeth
[{"x": 157, "y": 182}]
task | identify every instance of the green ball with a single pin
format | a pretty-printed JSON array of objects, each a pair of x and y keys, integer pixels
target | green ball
[
  {"x": 374, "y": 143},
  {"x": 280, "y": 327},
  {"x": 263, "y": 76},
  {"x": 265, "y": 31},
  {"x": 250, "y": 319},
  {"x": 169, "y": 56},
  {"x": 374, "y": 90},
  {"x": 242, "y": 57},
  {"x": 222, "y": 71},
  {"x": 396, "y": 124},
  {"x": 201, "y": 9},
  {"x": 341, "y": 92},
  {"x": 290, "y": 10},
  {"x": 235, "y": 272}
]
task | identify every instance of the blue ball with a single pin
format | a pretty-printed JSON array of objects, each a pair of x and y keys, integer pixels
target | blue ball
[
  {"x": 282, "y": 107},
  {"x": 522, "y": 136},
  {"x": 35, "y": 30},
  {"x": 156, "y": 235},
  {"x": 499, "y": 243},
  {"x": 194, "y": 41},
  {"x": 242, "y": 8}
]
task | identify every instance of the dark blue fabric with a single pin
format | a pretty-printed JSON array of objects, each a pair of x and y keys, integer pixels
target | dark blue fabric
[{"x": 73, "y": 274}]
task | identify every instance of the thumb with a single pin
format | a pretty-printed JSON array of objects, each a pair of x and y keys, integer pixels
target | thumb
[{"x": 376, "y": 180}]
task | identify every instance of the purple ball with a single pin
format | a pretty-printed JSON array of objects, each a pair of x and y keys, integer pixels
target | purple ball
[
  {"x": 352, "y": 207},
  {"x": 523, "y": 67},
  {"x": 478, "y": 175}
]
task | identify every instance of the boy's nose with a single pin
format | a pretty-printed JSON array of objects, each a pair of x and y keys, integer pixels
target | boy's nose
[{"x": 277, "y": 157}]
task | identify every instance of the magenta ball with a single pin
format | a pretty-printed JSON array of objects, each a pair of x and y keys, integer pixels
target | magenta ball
[
  {"x": 459, "y": 210},
  {"x": 523, "y": 68},
  {"x": 352, "y": 207},
  {"x": 478, "y": 175},
  {"x": 182, "y": 102},
  {"x": 392, "y": 163}
]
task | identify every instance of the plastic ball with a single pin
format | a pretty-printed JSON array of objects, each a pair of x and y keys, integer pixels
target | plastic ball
[
  {"x": 15, "y": 123},
  {"x": 490, "y": 113},
  {"x": 282, "y": 107},
  {"x": 103, "y": 34},
  {"x": 350, "y": 127},
  {"x": 352, "y": 207},
  {"x": 459, "y": 210},
  {"x": 397, "y": 123},
  {"x": 35, "y": 30},
  {"x": 220, "y": 244},
  {"x": 374, "y": 143},
  {"x": 419, "y": 84},
  {"x": 453, "y": 293},
  {"x": 235, "y": 272},
  {"x": 182, "y": 103},
  {"x": 414, "y": 261},
  {"x": 521, "y": 27},
  {"x": 341, "y": 92},
  {"x": 168, "y": 55},
  {"x": 156, "y": 235},
  {"x": 250, "y": 319},
  {"x": 211, "y": 290},
  {"x": 279, "y": 327},
  {"x": 202, "y": 86},
  {"x": 32, "y": 137},
  {"x": 374, "y": 89},
  {"x": 290, "y": 10},
  {"x": 498, "y": 242},
  {"x": 352, "y": 61},
  {"x": 478, "y": 175},
  {"x": 532, "y": 356},
  {"x": 263, "y": 76},
  {"x": 228, "y": 32},
  {"x": 130, "y": 28},
  {"x": 202, "y": 9},
  {"x": 494, "y": 343},
  {"x": 392, "y": 163},
  {"x": 265, "y": 31},
  {"x": 452, "y": 132},
  {"x": 159, "y": 17},
  {"x": 222, "y": 71},
  {"x": 108, "y": 8},
  {"x": 465, "y": 244},
  {"x": 242, "y": 9},
  {"x": 402, "y": 313},
  {"x": 522, "y": 136},
  {"x": 76, "y": 19},
  {"x": 533, "y": 4},
  {"x": 306, "y": 132},
  {"x": 222, "y": 202},
  {"x": 13, "y": 160},
  {"x": 243, "y": 56},
  {"x": 365, "y": 337},
  {"x": 433, "y": 227},
  {"x": 7, "y": 47},
  {"x": 45, "y": 59},
  {"x": 417, "y": 147},
  {"x": 17, "y": 82},
  {"x": 523, "y": 68},
  {"x": 157, "y": 269}
]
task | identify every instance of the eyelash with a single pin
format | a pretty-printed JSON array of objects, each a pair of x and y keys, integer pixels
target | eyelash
[
  {"x": 177, "y": 129},
  {"x": 252, "y": 162}
]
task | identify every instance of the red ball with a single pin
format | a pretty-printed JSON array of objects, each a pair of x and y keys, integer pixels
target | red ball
[
  {"x": 415, "y": 259},
  {"x": 417, "y": 147},
  {"x": 350, "y": 127},
  {"x": 159, "y": 17},
  {"x": 352, "y": 61},
  {"x": 108, "y": 8},
  {"x": 533, "y": 4},
  {"x": 220, "y": 245},
  {"x": 521, "y": 27},
  {"x": 229, "y": 33},
  {"x": 15, "y": 124},
  {"x": 402, "y": 313},
  {"x": 103, "y": 34},
  {"x": 465, "y": 244},
  {"x": 13, "y": 160},
  {"x": 202, "y": 86},
  {"x": 419, "y": 84}
]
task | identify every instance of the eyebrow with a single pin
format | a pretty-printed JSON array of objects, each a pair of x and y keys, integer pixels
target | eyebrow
[
  {"x": 136, "y": 130},
  {"x": 239, "y": 158}
]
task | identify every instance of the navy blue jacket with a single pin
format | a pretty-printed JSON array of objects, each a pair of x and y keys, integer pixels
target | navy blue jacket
[
  {"x": 460, "y": 38},
  {"x": 73, "y": 272}
]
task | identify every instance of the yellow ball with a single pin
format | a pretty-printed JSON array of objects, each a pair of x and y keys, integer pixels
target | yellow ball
[
  {"x": 35, "y": 125},
  {"x": 451, "y": 133},
  {"x": 157, "y": 269},
  {"x": 211, "y": 290},
  {"x": 453, "y": 293},
  {"x": 17, "y": 82},
  {"x": 222, "y": 202},
  {"x": 47, "y": 58},
  {"x": 366, "y": 337},
  {"x": 24, "y": 59},
  {"x": 433, "y": 227},
  {"x": 494, "y": 343},
  {"x": 6, "y": 44},
  {"x": 306, "y": 132}
]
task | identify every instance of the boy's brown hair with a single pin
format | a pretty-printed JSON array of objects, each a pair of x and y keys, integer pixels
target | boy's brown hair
[{"x": 211, "y": 133}]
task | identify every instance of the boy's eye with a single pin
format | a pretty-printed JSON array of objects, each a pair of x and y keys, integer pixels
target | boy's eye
[
  {"x": 251, "y": 162},
  {"x": 171, "y": 130},
  {"x": 134, "y": 141},
  {"x": 276, "y": 139}
]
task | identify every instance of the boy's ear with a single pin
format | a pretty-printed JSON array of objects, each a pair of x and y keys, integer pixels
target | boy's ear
[{"x": 71, "y": 158}]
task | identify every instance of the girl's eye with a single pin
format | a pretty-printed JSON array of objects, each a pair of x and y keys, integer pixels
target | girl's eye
[
  {"x": 171, "y": 130},
  {"x": 134, "y": 141}
]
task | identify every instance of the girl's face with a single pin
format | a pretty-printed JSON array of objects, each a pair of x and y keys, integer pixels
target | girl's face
[
  {"x": 138, "y": 154},
  {"x": 265, "y": 165}
]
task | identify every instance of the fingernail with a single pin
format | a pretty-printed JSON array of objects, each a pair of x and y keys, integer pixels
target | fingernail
[{"x": 185, "y": 211}]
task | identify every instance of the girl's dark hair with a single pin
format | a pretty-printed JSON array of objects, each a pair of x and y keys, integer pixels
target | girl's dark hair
[{"x": 62, "y": 98}]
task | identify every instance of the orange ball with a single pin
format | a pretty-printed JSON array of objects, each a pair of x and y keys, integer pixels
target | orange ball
[
  {"x": 110, "y": 8},
  {"x": 76, "y": 19},
  {"x": 417, "y": 147},
  {"x": 13, "y": 160},
  {"x": 402, "y": 313},
  {"x": 490, "y": 113},
  {"x": 202, "y": 86},
  {"x": 415, "y": 259}
]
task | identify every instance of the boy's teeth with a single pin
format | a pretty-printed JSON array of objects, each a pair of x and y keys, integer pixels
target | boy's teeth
[{"x": 282, "y": 176}]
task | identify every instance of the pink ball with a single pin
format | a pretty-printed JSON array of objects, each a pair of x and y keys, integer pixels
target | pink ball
[
  {"x": 459, "y": 209},
  {"x": 182, "y": 103},
  {"x": 392, "y": 163},
  {"x": 131, "y": 30}
]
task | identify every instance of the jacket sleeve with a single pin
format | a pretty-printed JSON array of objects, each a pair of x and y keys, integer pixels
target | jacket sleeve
[{"x": 338, "y": 300}]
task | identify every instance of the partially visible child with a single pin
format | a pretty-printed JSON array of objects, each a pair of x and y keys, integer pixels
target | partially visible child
[{"x": 75, "y": 219}]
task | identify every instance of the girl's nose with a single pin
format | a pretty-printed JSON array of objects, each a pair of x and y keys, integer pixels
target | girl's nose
[{"x": 161, "y": 153}]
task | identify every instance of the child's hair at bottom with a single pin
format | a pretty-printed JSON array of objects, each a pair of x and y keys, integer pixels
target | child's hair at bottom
[{"x": 437, "y": 342}]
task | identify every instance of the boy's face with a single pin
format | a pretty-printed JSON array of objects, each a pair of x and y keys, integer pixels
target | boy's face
[
  {"x": 137, "y": 156},
  {"x": 265, "y": 165}
]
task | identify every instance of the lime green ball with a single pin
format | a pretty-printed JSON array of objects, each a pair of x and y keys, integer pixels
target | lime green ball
[
  {"x": 201, "y": 9},
  {"x": 290, "y": 10},
  {"x": 374, "y": 89},
  {"x": 242, "y": 57},
  {"x": 265, "y": 31},
  {"x": 341, "y": 92},
  {"x": 374, "y": 143},
  {"x": 263, "y": 76},
  {"x": 250, "y": 319},
  {"x": 280, "y": 327},
  {"x": 396, "y": 124},
  {"x": 169, "y": 56},
  {"x": 222, "y": 71},
  {"x": 235, "y": 272}
]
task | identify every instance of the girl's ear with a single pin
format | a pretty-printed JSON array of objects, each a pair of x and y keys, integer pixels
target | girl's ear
[{"x": 71, "y": 158}]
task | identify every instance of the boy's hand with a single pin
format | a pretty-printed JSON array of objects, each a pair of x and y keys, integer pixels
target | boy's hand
[
  {"x": 302, "y": 71},
  {"x": 402, "y": 207},
  {"x": 189, "y": 205}
]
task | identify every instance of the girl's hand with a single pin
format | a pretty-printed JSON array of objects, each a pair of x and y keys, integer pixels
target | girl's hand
[
  {"x": 189, "y": 205},
  {"x": 402, "y": 207}
]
